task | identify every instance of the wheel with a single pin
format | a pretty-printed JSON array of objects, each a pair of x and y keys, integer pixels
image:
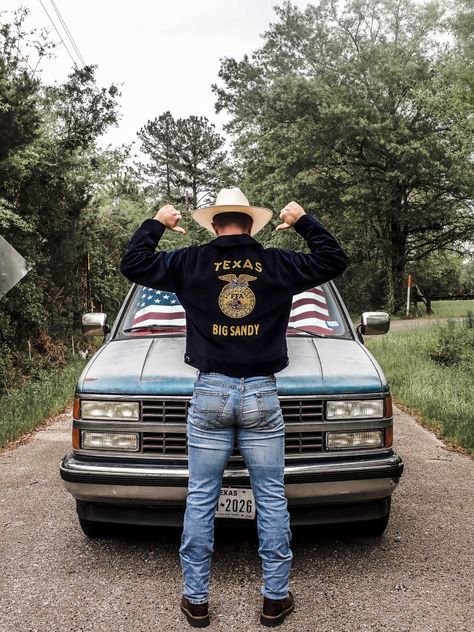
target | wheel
[
  {"x": 373, "y": 528},
  {"x": 95, "y": 529},
  {"x": 92, "y": 528}
]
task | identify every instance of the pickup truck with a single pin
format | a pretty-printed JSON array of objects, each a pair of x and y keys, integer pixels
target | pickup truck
[{"x": 128, "y": 462}]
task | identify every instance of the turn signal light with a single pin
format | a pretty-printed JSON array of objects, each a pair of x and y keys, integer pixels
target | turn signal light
[
  {"x": 76, "y": 408},
  {"x": 76, "y": 438}
]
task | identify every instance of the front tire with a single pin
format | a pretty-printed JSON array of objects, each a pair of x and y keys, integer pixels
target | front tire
[
  {"x": 373, "y": 528},
  {"x": 95, "y": 529}
]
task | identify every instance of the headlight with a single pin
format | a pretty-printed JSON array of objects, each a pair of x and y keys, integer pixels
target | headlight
[
  {"x": 353, "y": 440},
  {"x": 355, "y": 409},
  {"x": 126, "y": 411},
  {"x": 109, "y": 441}
]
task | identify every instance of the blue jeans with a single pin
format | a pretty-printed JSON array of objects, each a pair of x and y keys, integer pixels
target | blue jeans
[{"x": 221, "y": 408}]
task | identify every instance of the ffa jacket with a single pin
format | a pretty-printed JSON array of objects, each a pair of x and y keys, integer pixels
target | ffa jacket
[{"x": 236, "y": 293}]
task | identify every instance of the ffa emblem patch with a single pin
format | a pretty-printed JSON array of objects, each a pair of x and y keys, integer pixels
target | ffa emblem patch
[{"x": 236, "y": 298}]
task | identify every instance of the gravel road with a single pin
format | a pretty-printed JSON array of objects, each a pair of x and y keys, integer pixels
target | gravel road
[{"x": 418, "y": 577}]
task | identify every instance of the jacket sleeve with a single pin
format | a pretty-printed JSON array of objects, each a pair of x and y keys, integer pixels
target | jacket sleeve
[
  {"x": 142, "y": 264},
  {"x": 301, "y": 271}
]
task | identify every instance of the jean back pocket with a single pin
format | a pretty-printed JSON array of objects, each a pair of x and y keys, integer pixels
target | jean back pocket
[{"x": 207, "y": 407}]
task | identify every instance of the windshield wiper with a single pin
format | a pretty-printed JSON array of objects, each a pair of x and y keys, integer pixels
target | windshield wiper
[
  {"x": 306, "y": 331},
  {"x": 152, "y": 326}
]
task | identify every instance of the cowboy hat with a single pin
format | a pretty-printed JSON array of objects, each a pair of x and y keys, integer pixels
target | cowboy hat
[{"x": 232, "y": 200}]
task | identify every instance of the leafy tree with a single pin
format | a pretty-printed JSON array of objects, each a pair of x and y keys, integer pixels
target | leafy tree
[
  {"x": 439, "y": 275},
  {"x": 463, "y": 27},
  {"x": 50, "y": 171},
  {"x": 354, "y": 111}
]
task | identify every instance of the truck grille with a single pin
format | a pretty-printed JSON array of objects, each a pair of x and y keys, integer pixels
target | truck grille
[
  {"x": 175, "y": 410},
  {"x": 175, "y": 444},
  {"x": 301, "y": 410},
  {"x": 164, "y": 443},
  {"x": 171, "y": 411}
]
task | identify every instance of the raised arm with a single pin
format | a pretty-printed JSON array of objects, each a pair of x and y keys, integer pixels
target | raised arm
[
  {"x": 300, "y": 271},
  {"x": 142, "y": 264}
]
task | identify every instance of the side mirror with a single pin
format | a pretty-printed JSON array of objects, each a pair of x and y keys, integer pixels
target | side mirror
[
  {"x": 374, "y": 323},
  {"x": 95, "y": 324}
]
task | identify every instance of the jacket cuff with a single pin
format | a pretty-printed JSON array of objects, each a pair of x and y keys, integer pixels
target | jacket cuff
[
  {"x": 304, "y": 223},
  {"x": 154, "y": 228}
]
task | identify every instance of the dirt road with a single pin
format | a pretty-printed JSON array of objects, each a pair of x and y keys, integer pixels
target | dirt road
[
  {"x": 413, "y": 323},
  {"x": 418, "y": 577}
]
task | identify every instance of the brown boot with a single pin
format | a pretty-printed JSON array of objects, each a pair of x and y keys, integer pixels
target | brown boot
[
  {"x": 275, "y": 610},
  {"x": 197, "y": 614}
]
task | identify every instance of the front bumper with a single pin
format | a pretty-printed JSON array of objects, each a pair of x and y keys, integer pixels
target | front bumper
[{"x": 355, "y": 481}]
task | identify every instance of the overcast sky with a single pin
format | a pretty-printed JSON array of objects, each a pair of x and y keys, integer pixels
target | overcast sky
[{"x": 163, "y": 53}]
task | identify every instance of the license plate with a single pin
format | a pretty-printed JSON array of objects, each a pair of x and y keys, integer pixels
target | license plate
[{"x": 236, "y": 503}]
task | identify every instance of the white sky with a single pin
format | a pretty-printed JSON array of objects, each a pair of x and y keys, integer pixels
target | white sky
[{"x": 164, "y": 54}]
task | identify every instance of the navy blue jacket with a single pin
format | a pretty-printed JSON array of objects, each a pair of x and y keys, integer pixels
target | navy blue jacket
[{"x": 236, "y": 293}]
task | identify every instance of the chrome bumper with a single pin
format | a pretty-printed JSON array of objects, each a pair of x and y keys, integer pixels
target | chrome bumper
[{"x": 318, "y": 483}]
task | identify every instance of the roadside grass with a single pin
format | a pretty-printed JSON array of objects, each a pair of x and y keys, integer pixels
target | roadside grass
[
  {"x": 431, "y": 371},
  {"x": 446, "y": 309},
  {"x": 48, "y": 394}
]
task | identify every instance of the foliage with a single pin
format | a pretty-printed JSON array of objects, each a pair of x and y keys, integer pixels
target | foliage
[
  {"x": 50, "y": 171},
  {"x": 454, "y": 345},
  {"x": 48, "y": 394},
  {"x": 443, "y": 274},
  {"x": 357, "y": 111},
  {"x": 442, "y": 395}
]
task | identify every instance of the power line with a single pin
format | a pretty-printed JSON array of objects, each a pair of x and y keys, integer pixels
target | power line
[
  {"x": 68, "y": 32},
  {"x": 59, "y": 34}
]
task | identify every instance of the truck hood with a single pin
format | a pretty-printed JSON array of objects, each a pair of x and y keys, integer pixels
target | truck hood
[{"x": 155, "y": 366}]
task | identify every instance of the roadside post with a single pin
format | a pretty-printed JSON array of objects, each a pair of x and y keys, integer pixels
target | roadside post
[
  {"x": 408, "y": 294},
  {"x": 13, "y": 267}
]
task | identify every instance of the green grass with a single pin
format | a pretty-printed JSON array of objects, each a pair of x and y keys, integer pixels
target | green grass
[
  {"x": 442, "y": 394},
  {"x": 447, "y": 309},
  {"x": 49, "y": 394}
]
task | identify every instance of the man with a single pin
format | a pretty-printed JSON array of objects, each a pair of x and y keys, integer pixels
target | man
[{"x": 237, "y": 298}]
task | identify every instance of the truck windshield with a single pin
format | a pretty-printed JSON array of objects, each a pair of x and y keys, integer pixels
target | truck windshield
[{"x": 314, "y": 312}]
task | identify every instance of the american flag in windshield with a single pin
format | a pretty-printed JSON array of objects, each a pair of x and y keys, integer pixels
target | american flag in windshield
[{"x": 160, "y": 311}]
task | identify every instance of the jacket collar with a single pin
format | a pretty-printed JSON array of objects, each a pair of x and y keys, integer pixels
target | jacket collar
[{"x": 226, "y": 241}]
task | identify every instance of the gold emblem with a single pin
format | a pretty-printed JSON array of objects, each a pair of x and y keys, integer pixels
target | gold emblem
[{"x": 236, "y": 298}]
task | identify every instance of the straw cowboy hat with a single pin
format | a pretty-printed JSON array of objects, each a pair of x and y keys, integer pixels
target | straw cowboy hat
[{"x": 232, "y": 200}]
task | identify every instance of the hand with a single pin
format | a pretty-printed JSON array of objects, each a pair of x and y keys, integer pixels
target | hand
[
  {"x": 170, "y": 217},
  {"x": 290, "y": 214}
]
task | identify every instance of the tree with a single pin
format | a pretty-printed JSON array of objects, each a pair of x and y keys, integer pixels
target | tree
[
  {"x": 440, "y": 274},
  {"x": 200, "y": 157},
  {"x": 354, "y": 111},
  {"x": 186, "y": 159},
  {"x": 158, "y": 139},
  {"x": 50, "y": 171}
]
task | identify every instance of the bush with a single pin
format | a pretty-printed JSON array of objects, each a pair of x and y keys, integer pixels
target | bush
[
  {"x": 455, "y": 343},
  {"x": 48, "y": 393},
  {"x": 431, "y": 371}
]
